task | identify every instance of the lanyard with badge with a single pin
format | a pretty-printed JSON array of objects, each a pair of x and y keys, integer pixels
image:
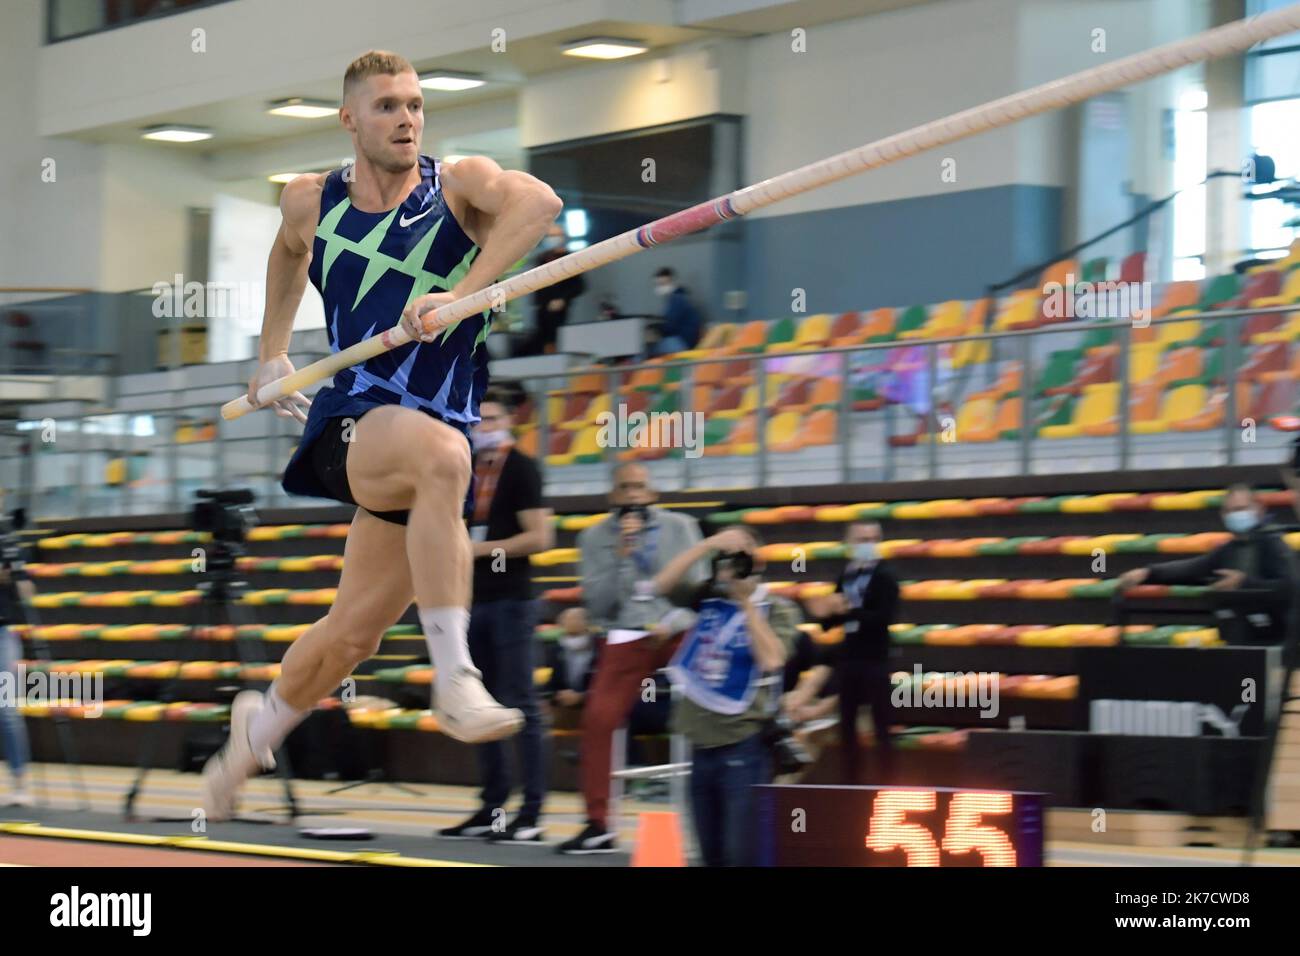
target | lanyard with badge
[
  {"x": 856, "y": 589},
  {"x": 487, "y": 480}
]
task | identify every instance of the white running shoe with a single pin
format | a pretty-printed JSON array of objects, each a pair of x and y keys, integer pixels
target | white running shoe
[
  {"x": 467, "y": 712},
  {"x": 20, "y": 796},
  {"x": 226, "y": 770}
]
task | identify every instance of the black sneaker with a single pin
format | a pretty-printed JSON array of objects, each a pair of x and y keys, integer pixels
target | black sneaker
[
  {"x": 592, "y": 839},
  {"x": 476, "y": 827},
  {"x": 521, "y": 830}
]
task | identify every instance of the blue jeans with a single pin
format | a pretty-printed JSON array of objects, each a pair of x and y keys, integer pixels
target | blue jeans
[
  {"x": 723, "y": 801},
  {"x": 501, "y": 646},
  {"x": 670, "y": 344},
  {"x": 13, "y": 734}
]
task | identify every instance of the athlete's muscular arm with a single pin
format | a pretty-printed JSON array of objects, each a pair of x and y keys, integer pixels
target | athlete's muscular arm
[
  {"x": 505, "y": 212},
  {"x": 286, "y": 279}
]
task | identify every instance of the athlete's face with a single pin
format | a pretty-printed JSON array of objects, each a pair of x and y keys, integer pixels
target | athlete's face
[{"x": 385, "y": 116}]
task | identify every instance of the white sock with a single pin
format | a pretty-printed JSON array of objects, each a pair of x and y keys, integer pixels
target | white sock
[
  {"x": 446, "y": 629},
  {"x": 274, "y": 722}
]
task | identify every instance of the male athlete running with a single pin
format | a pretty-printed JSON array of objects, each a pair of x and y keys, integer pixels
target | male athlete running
[{"x": 391, "y": 434}]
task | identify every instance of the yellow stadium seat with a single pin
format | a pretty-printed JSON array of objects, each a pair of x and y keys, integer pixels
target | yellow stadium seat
[
  {"x": 783, "y": 430},
  {"x": 587, "y": 443},
  {"x": 971, "y": 353},
  {"x": 555, "y": 409},
  {"x": 947, "y": 319},
  {"x": 1180, "y": 404},
  {"x": 813, "y": 332},
  {"x": 1144, "y": 360},
  {"x": 1019, "y": 309},
  {"x": 775, "y": 382},
  {"x": 976, "y": 416},
  {"x": 1100, "y": 403},
  {"x": 1177, "y": 332}
]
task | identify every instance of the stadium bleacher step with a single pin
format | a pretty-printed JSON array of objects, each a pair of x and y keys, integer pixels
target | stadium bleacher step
[{"x": 1138, "y": 828}]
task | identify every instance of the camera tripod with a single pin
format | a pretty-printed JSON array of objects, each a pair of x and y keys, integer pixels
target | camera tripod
[
  {"x": 62, "y": 723},
  {"x": 219, "y": 605}
]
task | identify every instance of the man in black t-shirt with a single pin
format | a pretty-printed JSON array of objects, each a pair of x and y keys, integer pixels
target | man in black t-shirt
[{"x": 509, "y": 523}]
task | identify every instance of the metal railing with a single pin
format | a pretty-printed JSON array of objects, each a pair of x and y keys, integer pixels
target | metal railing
[
  {"x": 939, "y": 449},
  {"x": 153, "y": 471}
]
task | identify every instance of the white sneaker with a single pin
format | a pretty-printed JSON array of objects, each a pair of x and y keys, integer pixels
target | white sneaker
[
  {"x": 467, "y": 712},
  {"x": 20, "y": 797},
  {"x": 226, "y": 770}
]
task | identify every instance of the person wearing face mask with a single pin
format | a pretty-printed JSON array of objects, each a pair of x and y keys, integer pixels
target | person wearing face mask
[
  {"x": 619, "y": 559},
  {"x": 679, "y": 325},
  {"x": 865, "y": 603},
  {"x": 722, "y": 697},
  {"x": 1255, "y": 558},
  {"x": 508, "y": 524},
  {"x": 551, "y": 305},
  {"x": 572, "y": 660}
]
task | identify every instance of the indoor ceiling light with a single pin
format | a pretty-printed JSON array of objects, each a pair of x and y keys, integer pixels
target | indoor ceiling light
[
  {"x": 604, "y": 48},
  {"x": 173, "y": 133},
  {"x": 283, "y": 177},
  {"x": 299, "y": 108},
  {"x": 447, "y": 81}
]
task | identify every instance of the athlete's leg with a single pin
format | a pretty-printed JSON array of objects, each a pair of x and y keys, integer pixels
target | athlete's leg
[
  {"x": 401, "y": 459},
  {"x": 374, "y": 591}
]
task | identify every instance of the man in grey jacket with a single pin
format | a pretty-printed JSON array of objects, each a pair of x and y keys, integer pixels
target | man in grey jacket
[{"x": 620, "y": 557}]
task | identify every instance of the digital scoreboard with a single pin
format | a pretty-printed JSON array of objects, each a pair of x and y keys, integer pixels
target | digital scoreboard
[{"x": 898, "y": 826}]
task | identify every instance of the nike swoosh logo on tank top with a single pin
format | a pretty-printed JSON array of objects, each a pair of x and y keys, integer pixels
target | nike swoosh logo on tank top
[{"x": 369, "y": 266}]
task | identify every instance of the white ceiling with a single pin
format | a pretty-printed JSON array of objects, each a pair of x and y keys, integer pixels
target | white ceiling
[{"x": 244, "y": 121}]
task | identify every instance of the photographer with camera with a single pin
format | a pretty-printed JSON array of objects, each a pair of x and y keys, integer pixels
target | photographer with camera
[
  {"x": 726, "y": 685},
  {"x": 15, "y": 590},
  {"x": 620, "y": 557}
]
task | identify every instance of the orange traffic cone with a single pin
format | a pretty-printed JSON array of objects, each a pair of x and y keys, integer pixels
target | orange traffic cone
[{"x": 658, "y": 840}]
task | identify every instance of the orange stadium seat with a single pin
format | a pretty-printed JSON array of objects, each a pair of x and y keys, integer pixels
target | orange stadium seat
[{"x": 750, "y": 337}]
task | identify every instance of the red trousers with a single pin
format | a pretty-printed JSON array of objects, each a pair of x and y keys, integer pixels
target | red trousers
[{"x": 615, "y": 689}]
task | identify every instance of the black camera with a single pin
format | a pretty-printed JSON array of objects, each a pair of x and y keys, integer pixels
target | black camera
[
  {"x": 788, "y": 754},
  {"x": 226, "y": 515},
  {"x": 739, "y": 563},
  {"x": 638, "y": 510}
]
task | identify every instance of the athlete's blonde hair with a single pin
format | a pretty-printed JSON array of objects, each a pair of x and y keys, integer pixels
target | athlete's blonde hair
[{"x": 373, "y": 63}]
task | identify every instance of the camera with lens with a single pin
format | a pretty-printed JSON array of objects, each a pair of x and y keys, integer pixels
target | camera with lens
[
  {"x": 788, "y": 754},
  {"x": 639, "y": 510},
  {"x": 228, "y": 516},
  {"x": 739, "y": 563}
]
